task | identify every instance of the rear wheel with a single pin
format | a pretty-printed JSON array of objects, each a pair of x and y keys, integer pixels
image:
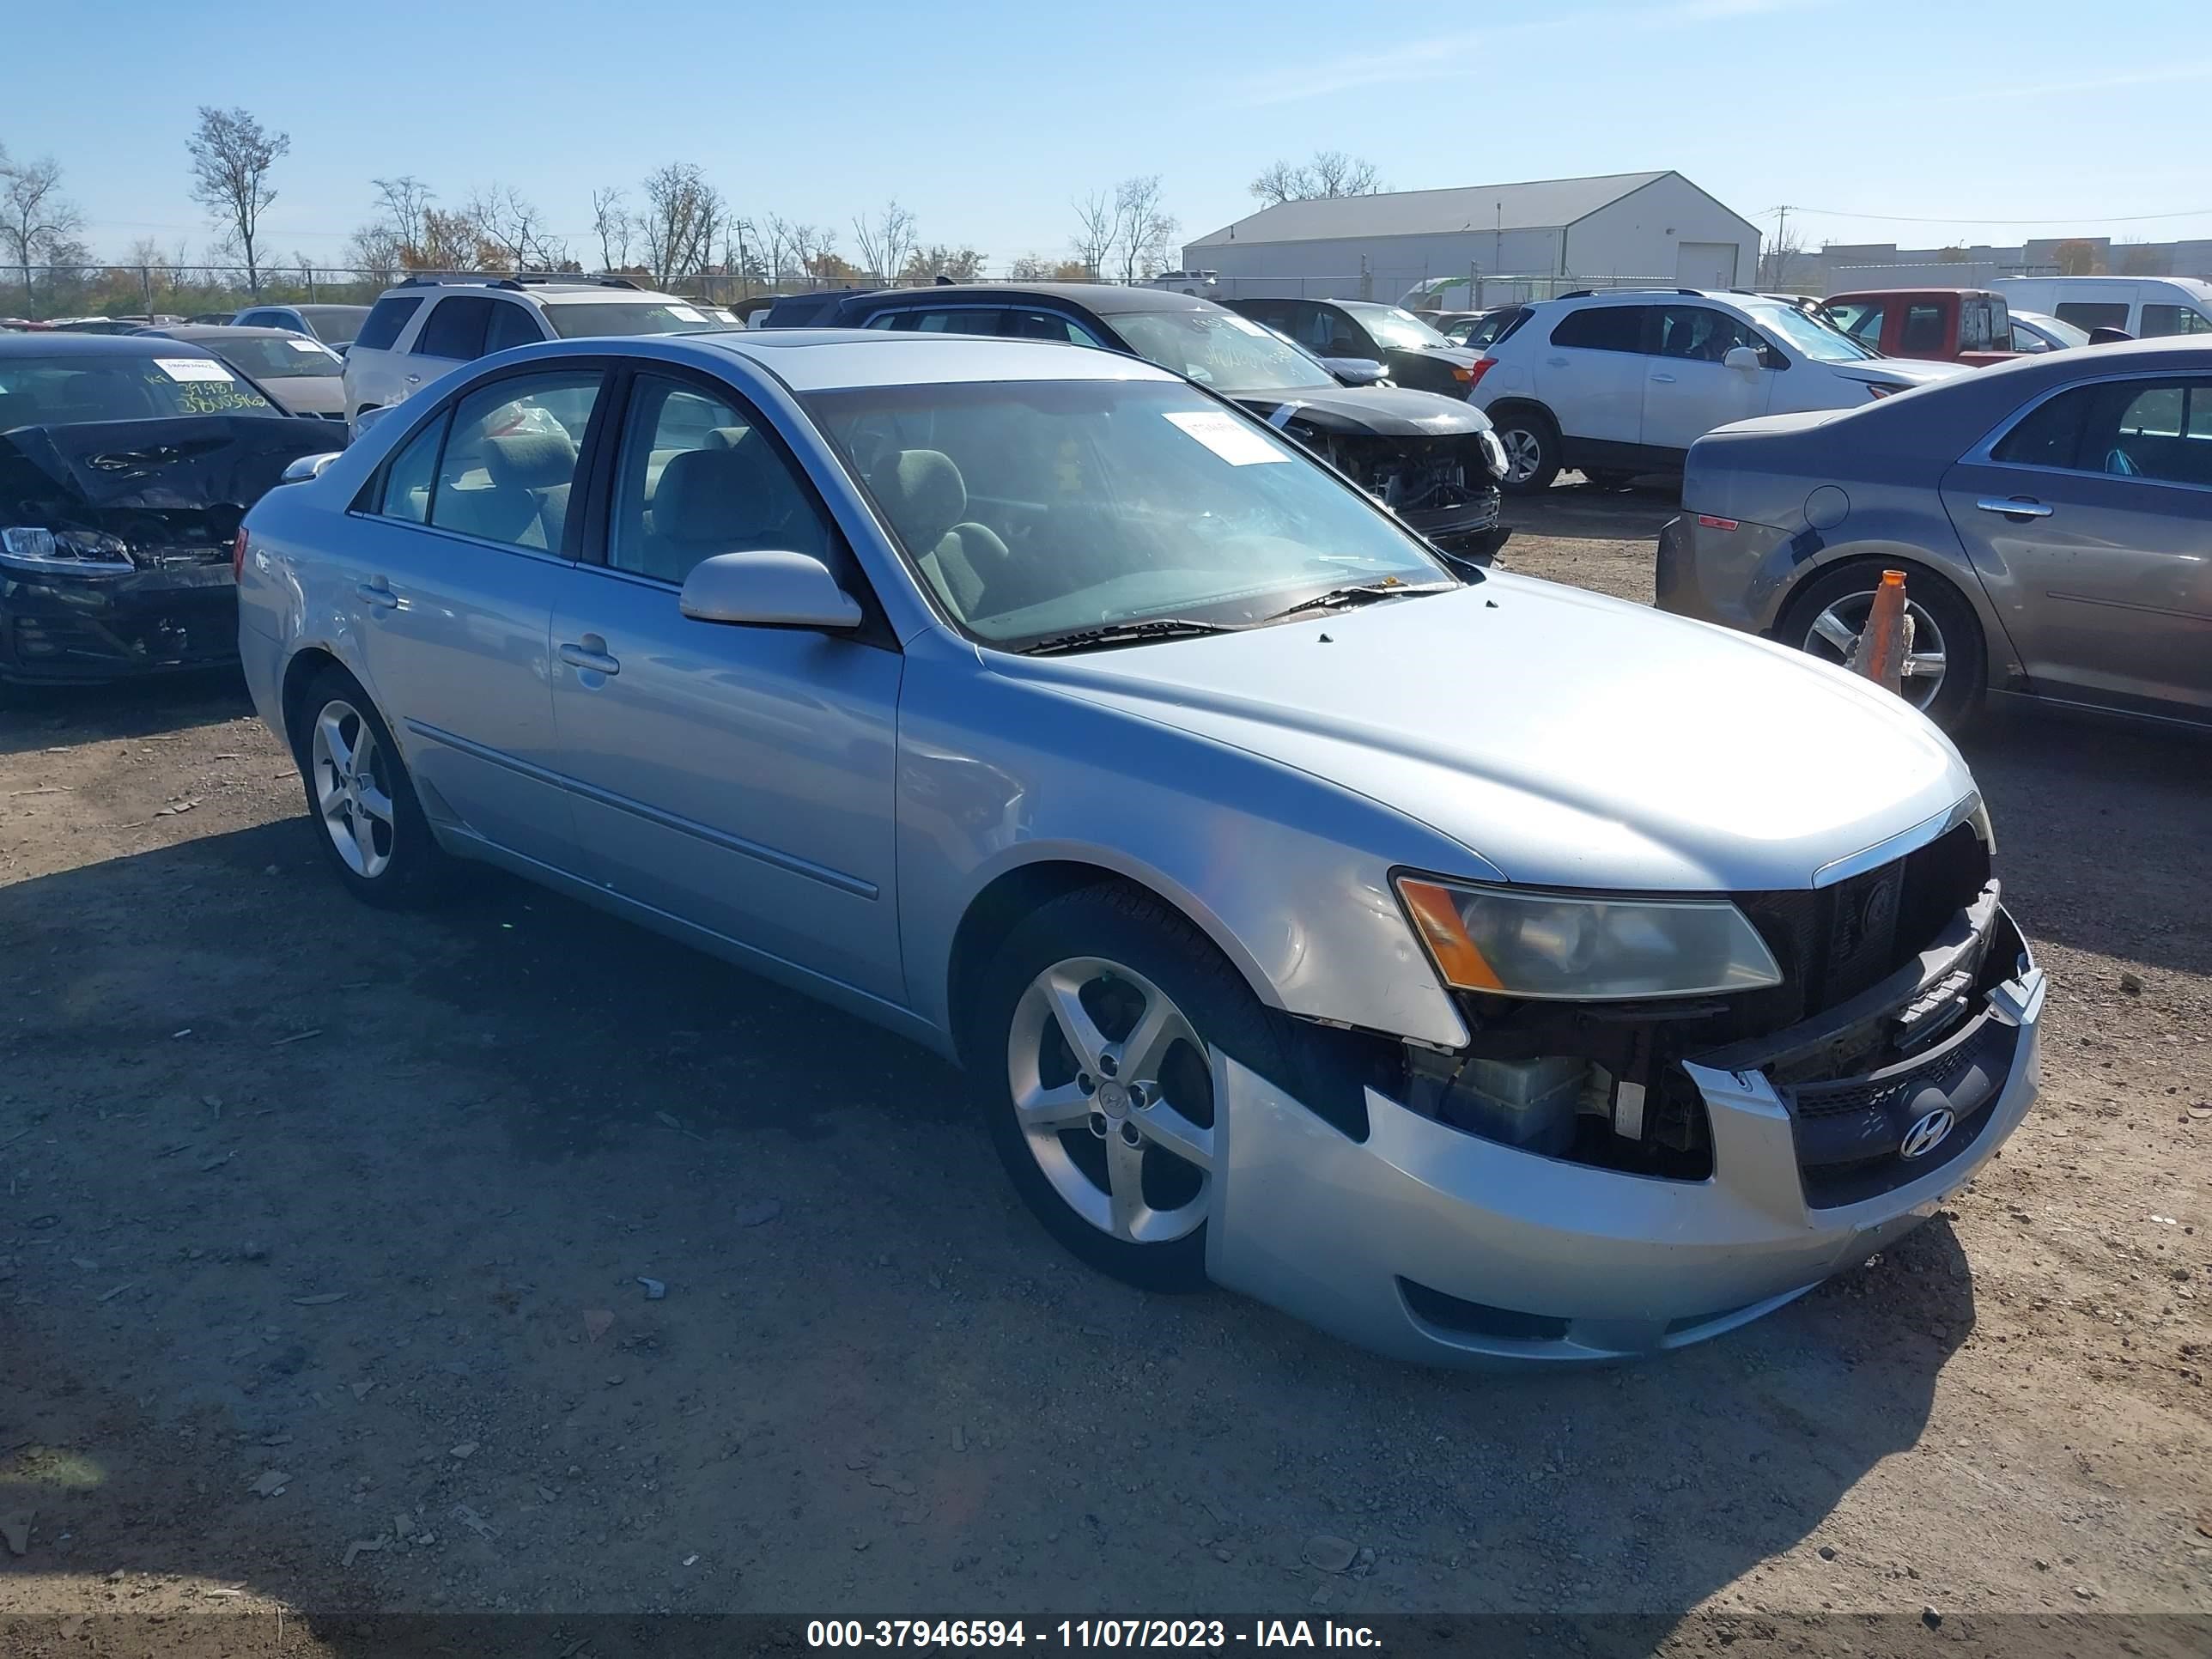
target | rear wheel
[
  {"x": 1945, "y": 670},
  {"x": 367, "y": 821},
  {"x": 1532, "y": 449},
  {"x": 1092, "y": 1049}
]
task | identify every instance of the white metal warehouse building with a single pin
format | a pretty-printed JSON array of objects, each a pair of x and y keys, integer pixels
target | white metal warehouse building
[{"x": 1515, "y": 240}]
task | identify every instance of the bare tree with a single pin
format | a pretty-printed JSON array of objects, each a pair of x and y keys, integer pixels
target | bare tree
[
  {"x": 379, "y": 245},
  {"x": 232, "y": 156},
  {"x": 1330, "y": 172},
  {"x": 38, "y": 217},
  {"x": 1096, "y": 227},
  {"x": 682, "y": 212},
  {"x": 508, "y": 221},
  {"x": 886, "y": 241},
  {"x": 954, "y": 265},
  {"x": 1143, "y": 227},
  {"x": 611, "y": 224},
  {"x": 1781, "y": 253}
]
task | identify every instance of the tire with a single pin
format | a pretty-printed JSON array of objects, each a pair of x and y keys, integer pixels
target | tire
[
  {"x": 391, "y": 859},
  {"x": 1532, "y": 449},
  {"x": 1114, "y": 950},
  {"x": 1848, "y": 590},
  {"x": 1609, "y": 478}
]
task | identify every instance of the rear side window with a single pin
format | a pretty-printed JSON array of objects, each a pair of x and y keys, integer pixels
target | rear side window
[
  {"x": 1602, "y": 328},
  {"x": 2173, "y": 319},
  {"x": 455, "y": 328},
  {"x": 384, "y": 320},
  {"x": 2158, "y": 430},
  {"x": 2051, "y": 435},
  {"x": 508, "y": 467},
  {"x": 2084, "y": 313}
]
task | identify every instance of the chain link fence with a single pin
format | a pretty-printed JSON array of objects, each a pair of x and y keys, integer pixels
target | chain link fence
[{"x": 1422, "y": 290}]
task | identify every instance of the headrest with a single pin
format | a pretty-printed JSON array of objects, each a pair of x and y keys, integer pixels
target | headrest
[
  {"x": 529, "y": 460},
  {"x": 720, "y": 495},
  {"x": 922, "y": 492}
]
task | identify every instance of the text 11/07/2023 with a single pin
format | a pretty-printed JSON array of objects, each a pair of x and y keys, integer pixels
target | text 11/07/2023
[{"x": 1087, "y": 1634}]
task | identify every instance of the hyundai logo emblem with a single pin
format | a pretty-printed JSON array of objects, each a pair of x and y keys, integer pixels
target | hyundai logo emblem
[{"x": 1926, "y": 1135}]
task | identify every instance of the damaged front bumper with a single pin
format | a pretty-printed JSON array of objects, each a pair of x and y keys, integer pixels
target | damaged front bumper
[
  {"x": 66, "y": 628},
  {"x": 1429, "y": 1243}
]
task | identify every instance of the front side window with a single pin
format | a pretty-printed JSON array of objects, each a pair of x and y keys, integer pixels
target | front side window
[
  {"x": 386, "y": 318},
  {"x": 699, "y": 476},
  {"x": 1602, "y": 328},
  {"x": 65, "y": 391},
  {"x": 2159, "y": 320},
  {"x": 511, "y": 325},
  {"x": 1218, "y": 348},
  {"x": 1037, "y": 510},
  {"x": 1046, "y": 325},
  {"x": 1702, "y": 334},
  {"x": 1923, "y": 329},
  {"x": 509, "y": 459},
  {"x": 455, "y": 328}
]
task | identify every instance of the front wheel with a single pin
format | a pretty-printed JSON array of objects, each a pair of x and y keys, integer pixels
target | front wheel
[
  {"x": 1531, "y": 451},
  {"x": 1944, "y": 671},
  {"x": 1093, "y": 1052}
]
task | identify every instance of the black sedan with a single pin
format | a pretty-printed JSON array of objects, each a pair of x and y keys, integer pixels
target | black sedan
[
  {"x": 1433, "y": 459},
  {"x": 126, "y": 463},
  {"x": 1412, "y": 353}
]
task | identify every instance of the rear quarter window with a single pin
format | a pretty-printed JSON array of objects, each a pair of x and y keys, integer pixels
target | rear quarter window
[{"x": 384, "y": 320}]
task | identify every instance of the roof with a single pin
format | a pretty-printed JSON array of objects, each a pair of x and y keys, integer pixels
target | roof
[
  {"x": 831, "y": 359},
  {"x": 1105, "y": 299},
  {"x": 13, "y": 344},
  {"x": 1543, "y": 205}
]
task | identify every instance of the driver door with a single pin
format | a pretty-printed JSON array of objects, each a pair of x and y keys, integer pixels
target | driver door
[{"x": 1687, "y": 389}]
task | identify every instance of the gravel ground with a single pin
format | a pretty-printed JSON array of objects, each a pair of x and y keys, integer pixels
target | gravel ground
[{"x": 324, "y": 1230}]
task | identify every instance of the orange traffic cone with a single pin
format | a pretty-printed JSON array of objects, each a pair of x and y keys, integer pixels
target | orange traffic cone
[{"x": 1881, "y": 655}]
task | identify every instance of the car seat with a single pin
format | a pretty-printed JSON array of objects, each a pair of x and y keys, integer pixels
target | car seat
[
  {"x": 527, "y": 504},
  {"x": 926, "y": 498},
  {"x": 733, "y": 500}
]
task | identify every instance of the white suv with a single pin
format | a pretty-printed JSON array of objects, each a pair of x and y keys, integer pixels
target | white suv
[
  {"x": 431, "y": 323},
  {"x": 1623, "y": 381}
]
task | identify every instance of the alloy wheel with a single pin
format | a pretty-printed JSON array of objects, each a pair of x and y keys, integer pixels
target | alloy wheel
[
  {"x": 353, "y": 788},
  {"x": 1524, "y": 453},
  {"x": 1113, "y": 1090},
  {"x": 1834, "y": 635}
]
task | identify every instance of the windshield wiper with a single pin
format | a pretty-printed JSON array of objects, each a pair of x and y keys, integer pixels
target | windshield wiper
[
  {"x": 1126, "y": 633},
  {"x": 1337, "y": 599}
]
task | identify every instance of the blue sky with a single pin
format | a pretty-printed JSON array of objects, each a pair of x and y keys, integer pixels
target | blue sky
[{"x": 986, "y": 117}]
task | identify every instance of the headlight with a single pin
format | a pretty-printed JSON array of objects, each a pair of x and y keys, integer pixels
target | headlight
[
  {"x": 1547, "y": 946},
  {"x": 1493, "y": 452},
  {"x": 23, "y": 547}
]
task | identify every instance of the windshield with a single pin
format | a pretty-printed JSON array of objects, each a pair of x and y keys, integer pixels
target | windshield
[
  {"x": 287, "y": 359},
  {"x": 1393, "y": 327},
  {"x": 1218, "y": 348},
  {"x": 1049, "y": 507},
  {"x": 66, "y": 390},
  {"x": 572, "y": 322},
  {"x": 1818, "y": 341},
  {"x": 334, "y": 324}
]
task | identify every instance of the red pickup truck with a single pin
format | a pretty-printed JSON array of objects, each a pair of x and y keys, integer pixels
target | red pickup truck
[{"x": 1946, "y": 325}]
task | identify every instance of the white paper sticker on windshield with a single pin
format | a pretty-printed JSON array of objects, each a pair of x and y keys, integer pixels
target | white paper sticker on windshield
[
  {"x": 1227, "y": 437},
  {"x": 191, "y": 368},
  {"x": 685, "y": 314},
  {"x": 1245, "y": 323},
  {"x": 305, "y": 345}
]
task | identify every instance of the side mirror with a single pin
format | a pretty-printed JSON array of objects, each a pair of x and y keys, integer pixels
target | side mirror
[
  {"x": 767, "y": 590},
  {"x": 1745, "y": 358},
  {"x": 300, "y": 468},
  {"x": 1356, "y": 371}
]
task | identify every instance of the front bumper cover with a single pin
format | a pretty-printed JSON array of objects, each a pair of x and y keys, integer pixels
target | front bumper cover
[
  {"x": 63, "y": 628},
  {"x": 1427, "y": 1243}
]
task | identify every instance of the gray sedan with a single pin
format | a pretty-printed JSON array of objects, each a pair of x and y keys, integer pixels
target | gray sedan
[
  {"x": 2053, "y": 516},
  {"x": 1401, "y": 944}
]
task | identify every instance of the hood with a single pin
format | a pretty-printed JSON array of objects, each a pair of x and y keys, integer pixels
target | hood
[
  {"x": 1913, "y": 371},
  {"x": 1382, "y": 410},
  {"x": 184, "y": 480},
  {"x": 1563, "y": 738}
]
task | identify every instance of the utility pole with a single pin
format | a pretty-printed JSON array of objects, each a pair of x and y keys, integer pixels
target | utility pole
[{"x": 1780, "y": 239}]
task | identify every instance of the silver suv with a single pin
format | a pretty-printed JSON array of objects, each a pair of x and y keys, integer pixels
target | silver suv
[{"x": 431, "y": 322}]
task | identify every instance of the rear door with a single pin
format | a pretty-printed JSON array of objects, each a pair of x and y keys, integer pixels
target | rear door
[
  {"x": 1590, "y": 373},
  {"x": 2090, "y": 521},
  {"x": 452, "y": 334},
  {"x": 1687, "y": 389}
]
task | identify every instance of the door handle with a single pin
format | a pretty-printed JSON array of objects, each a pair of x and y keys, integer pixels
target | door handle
[
  {"x": 414, "y": 380},
  {"x": 2013, "y": 509},
  {"x": 1663, "y": 380},
  {"x": 378, "y": 592},
  {"x": 1555, "y": 362},
  {"x": 590, "y": 653}
]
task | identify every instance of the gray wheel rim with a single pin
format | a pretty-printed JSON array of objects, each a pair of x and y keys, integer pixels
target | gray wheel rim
[
  {"x": 1835, "y": 634},
  {"x": 1117, "y": 1097},
  {"x": 353, "y": 789},
  {"x": 1524, "y": 453}
]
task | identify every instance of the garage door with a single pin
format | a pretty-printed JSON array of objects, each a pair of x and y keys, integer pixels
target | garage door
[{"x": 1705, "y": 264}]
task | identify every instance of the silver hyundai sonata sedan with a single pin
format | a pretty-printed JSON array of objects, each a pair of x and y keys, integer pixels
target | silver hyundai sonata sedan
[{"x": 1476, "y": 968}]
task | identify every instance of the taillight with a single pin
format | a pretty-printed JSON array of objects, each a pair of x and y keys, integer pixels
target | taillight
[
  {"x": 1709, "y": 522},
  {"x": 1482, "y": 366},
  {"x": 238, "y": 556}
]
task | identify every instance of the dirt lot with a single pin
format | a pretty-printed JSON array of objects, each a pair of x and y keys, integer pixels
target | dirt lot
[{"x": 351, "y": 1210}]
